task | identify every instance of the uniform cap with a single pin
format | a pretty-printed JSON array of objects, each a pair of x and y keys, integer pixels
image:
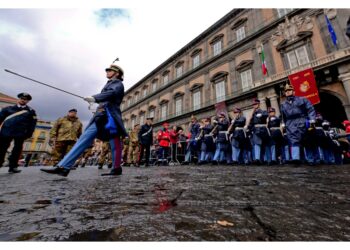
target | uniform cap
[
  {"x": 73, "y": 110},
  {"x": 24, "y": 96},
  {"x": 346, "y": 122},
  {"x": 256, "y": 101},
  {"x": 165, "y": 124},
  {"x": 149, "y": 118},
  {"x": 237, "y": 110},
  {"x": 288, "y": 87},
  {"x": 223, "y": 114},
  {"x": 115, "y": 68},
  {"x": 272, "y": 110}
]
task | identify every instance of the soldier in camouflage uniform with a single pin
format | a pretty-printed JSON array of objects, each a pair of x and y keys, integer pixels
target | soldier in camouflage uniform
[
  {"x": 126, "y": 142},
  {"x": 133, "y": 151},
  {"x": 64, "y": 134},
  {"x": 105, "y": 154}
]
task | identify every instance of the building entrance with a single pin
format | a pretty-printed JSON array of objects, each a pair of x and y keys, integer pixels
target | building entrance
[{"x": 331, "y": 109}]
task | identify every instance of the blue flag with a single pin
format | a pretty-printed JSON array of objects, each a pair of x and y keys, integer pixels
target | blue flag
[{"x": 331, "y": 31}]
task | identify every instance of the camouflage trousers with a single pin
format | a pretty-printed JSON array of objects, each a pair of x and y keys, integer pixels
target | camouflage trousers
[
  {"x": 133, "y": 153},
  {"x": 60, "y": 150},
  {"x": 105, "y": 154}
]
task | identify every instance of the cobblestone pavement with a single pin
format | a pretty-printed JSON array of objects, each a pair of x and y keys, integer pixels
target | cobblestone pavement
[{"x": 182, "y": 203}]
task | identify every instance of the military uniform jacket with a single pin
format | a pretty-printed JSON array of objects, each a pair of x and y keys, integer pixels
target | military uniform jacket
[
  {"x": 146, "y": 135},
  {"x": 66, "y": 129},
  {"x": 296, "y": 111},
  {"x": 19, "y": 126},
  {"x": 110, "y": 97},
  {"x": 258, "y": 126},
  {"x": 273, "y": 123},
  {"x": 238, "y": 134},
  {"x": 195, "y": 129},
  {"x": 222, "y": 127},
  {"x": 133, "y": 135}
]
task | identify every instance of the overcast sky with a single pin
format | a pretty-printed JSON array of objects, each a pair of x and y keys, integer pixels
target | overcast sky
[{"x": 70, "y": 48}]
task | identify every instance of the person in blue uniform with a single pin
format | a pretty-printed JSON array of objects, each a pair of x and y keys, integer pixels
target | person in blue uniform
[
  {"x": 221, "y": 139},
  {"x": 274, "y": 147},
  {"x": 145, "y": 140},
  {"x": 207, "y": 142},
  {"x": 17, "y": 123},
  {"x": 108, "y": 113},
  {"x": 238, "y": 137},
  {"x": 296, "y": 111},
  {"x": 193, "y": 146},
  {"x": 260, "y": 133}
]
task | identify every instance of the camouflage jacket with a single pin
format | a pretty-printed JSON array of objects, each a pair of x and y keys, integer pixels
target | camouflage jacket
[
  {"x": 134, "y": 139},
  {"x": 66, "y": 129}
]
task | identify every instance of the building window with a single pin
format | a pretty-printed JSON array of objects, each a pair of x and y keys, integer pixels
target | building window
[
  {"x": 151, "y": 113},
  {"x": 179, "y": 71},
  {"x": 38, "y": 146},
  {"x": 133, "y": 121},
  {"x": 178, "y": 106},
  {"x": 217, "y": 46},
  {"x": 195, "y": 61},
  {"x": 282, "y": 12},
  {"x": 26, "y": 146},
  {"x": 240, "y": 34},
  {"x": 136, "y": 97},
  {"x": 297, "y": 57},
  {"x": 196, "y": 99},
  {"x": 220, "y": 91},
  {"x": 142, "y": 119},
  {"x": 42, "y": 135},
  {"x": 163, "y": 111},
  {"x": 144, "y": 92},
  {"x": 129, "y": 102},
  {"x": 154, "y": 87},
  {"x": 122, "y": 106},
  {"x": 165, "y": 79},
  {"x": 246, "y": 77}
]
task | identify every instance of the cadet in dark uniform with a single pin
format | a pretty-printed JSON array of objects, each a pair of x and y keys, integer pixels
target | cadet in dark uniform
[
  {"x": 108, "y": 114},
  {"x": 221, "y": 140},
  {"x": 274, "y": 147},
  {"x": 295, "y": 111},
  {"x": 145, "y": 140},
  {"x": 16, "y": 123},
  {"x": 238, "y": 136},
  {"x": 259, "y": 130},
  {"x": 207, "y": 142}
]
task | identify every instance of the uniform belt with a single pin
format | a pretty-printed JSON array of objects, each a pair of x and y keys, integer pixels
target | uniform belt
[
  {"x": 274, "y": 128},
  {"x": 222, "y": 132},
  {"x": 318, "y": 128},
  {"x": 207, "y": 135},
  {"x": 260, "y": 125},
  {"x": 239, "y": 128}
]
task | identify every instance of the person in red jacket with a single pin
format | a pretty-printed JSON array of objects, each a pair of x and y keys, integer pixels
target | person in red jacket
[
  {"x": 174, "y": 138},
  {"x": 164, "y": 143}
]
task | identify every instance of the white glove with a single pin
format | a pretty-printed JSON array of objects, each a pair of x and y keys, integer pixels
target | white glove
[
  {"x": 258, "y": 115},
  {"x": 233, "y": 121},
  {"x": 89, "y": 99},
  {"x": 215, "y": 121},
  {"x": 283, "y": 125}
]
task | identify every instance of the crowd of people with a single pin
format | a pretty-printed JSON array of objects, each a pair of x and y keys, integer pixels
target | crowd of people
[{"x": 298, "y": 135}]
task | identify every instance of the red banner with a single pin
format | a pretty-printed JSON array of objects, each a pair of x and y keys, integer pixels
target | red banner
[{"x": 304, "y": 84}]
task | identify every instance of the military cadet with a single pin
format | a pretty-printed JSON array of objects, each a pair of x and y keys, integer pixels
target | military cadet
[
  {"x": 238, "y": 137},
  {"x": 314, "y": 142},
  {"x": 221, "y": 139},
  {"x": 106, "y": 124},
  {"x": 295, "y": 111},
  {"x": 260, "y": 133},
  {"x": 64, "y": 135},
  {"x": 105, "y": 154},
  {"x": 126, "y": 143},
  {"x": 146, "y": 140},
  {"x": 133, "y": 151},
  {"x": 164, "y": 143},
  {"x": 17, "y": 123},
  {"x": 274, "y": 147},
  {"x": 193, "y": 145},
  {"x": 207, "y": 142}
]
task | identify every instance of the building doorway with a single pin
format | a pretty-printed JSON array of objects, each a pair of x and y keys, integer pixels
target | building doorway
[{"x": 331, "y": 109}]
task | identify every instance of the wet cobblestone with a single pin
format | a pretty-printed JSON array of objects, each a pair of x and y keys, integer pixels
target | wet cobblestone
[{"x": 182, "y": 203}]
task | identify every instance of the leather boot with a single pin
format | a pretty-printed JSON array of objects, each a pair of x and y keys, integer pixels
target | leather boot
[{"x": 58, "y": 170}]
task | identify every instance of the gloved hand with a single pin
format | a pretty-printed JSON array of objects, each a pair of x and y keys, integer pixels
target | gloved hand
[
  {"x": 89, "y": 99},
  {"x": 233, "y": 121},
  {"x": 258, "y": 115},
  {"x": 215, "y": 121}
]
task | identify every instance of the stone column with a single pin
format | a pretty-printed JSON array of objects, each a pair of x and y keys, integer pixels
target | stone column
[
  {"x": 345, "y": 78},
  {"x": 263, "y": 104},
  {"x": 274, "y": 104}
]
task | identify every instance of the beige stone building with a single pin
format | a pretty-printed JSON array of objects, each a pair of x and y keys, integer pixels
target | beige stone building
[{"x": 223, "y": 66}]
